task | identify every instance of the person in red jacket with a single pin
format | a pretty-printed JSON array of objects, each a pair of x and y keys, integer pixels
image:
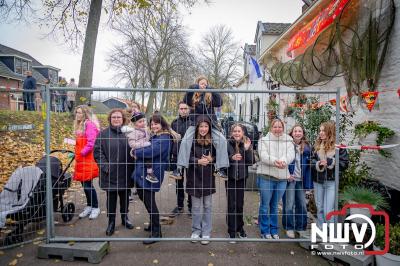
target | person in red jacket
[{"x": 86, "y": 128}]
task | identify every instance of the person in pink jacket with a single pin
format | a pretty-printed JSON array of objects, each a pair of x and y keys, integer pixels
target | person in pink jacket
[
  {"x": 86, "y": 127},
  {"x": 139, "y": 137}
]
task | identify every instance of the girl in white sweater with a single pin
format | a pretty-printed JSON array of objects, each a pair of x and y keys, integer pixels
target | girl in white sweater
[{"x": 276, "y": 152}]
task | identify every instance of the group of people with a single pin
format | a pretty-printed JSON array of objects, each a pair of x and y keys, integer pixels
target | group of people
[
  {"x": 127, "y": 154},
  {"x": 60, "y": 101},
  {"x": 288, "y": 167},
  {"x": 64, "y": 101}
]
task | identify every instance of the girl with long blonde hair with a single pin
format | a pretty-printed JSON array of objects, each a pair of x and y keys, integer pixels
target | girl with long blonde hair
[
  {"x": 86, "y": 128},
  {"x": 203, "y": 104},
  {"x": 294, "y": 216},
  {"x": 323, "y": 170}
]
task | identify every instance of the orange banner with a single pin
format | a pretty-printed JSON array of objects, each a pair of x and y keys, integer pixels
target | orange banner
[{"x": 303, "y": 38}]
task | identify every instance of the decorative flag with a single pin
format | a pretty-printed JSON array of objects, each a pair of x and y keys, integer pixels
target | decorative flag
[
  {"x": 254, "y": 69},
  {"x": 398, "y": 92},
  {"x": 344, "y": 103},
  {"x": 370, "y": 98}
]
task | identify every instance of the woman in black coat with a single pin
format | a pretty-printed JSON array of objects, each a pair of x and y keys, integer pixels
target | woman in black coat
[
  {"x": 111, "y": 153},
  {"x": 241, "y": 156},
  {"x": 200, "y": 181}
]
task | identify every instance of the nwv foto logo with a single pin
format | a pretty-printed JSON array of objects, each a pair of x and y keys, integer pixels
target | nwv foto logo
[{"x": 340, "y": 232}]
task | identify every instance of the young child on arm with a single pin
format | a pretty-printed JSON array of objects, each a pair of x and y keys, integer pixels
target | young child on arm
[{"x": 138, "y": 137}]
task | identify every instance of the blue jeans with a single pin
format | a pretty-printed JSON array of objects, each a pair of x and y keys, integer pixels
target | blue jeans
[
  {"x": 90, "y": 193},
  {"x": 29, "y": 101},
  {"x": 294, "y": 215},
  {"x": 201, "y": 215},
  {"x": 324, "y": 199},
  {"x": 271, "y": 192}
]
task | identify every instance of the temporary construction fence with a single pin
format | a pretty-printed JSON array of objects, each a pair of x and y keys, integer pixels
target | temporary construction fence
[{"x": 51, "y": 188}]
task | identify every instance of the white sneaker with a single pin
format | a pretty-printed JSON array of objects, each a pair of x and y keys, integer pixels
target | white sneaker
[
  {"x": 275, "y": 236},
  {"x": 195, "y": 236},
  {"x": 290, "y": 234},
  {"x": 266, "y": 236},
  {"x": 94, "y": 214},
  {"x": 205, "y": 240},
  {"x": 86, "y": 211}
]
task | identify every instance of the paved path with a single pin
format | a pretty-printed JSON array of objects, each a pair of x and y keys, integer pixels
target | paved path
[{"x": 170, "y": 253}]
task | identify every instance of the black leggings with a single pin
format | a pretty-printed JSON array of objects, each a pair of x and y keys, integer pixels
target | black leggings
[
  {"x": 149, "y": 200},
  {"x": 235, "y": 194},
  {"x": 112, "y": 203}
]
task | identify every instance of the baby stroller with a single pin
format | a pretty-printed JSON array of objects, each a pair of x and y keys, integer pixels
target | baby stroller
[
  {"x": 23, "y": 197},
  {"x": 61, "y": 181}
]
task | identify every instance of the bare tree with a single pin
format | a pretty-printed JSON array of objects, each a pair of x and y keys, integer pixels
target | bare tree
[
  {"x": 219, "y": 57},
  {"x": 79, "y": 20},
  {"x": 157, "y": 42},
  {"x": 123, "y": 59}
]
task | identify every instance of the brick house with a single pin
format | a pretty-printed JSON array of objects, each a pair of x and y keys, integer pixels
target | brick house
[{"x": 13, "y": 64}]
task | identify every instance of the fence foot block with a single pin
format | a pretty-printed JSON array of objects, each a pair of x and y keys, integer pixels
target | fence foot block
[{"x": 92, "y": 251}]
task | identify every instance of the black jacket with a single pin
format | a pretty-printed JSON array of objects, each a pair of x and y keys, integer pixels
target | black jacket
[
  {"x": 111, "y": 152},
  {"x": 239, "y": 169},
  {"x": 179, "y": 125},
  {"x": 328, "y": 174},
  {"x": 201, "y": 108},
  {"x": 200, "y": 180}
]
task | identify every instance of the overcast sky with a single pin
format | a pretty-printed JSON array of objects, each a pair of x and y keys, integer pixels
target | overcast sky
[{"x": 240, "y": 15}]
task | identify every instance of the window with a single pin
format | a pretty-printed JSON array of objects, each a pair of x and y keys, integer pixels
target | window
[
  {"x": 240, "y": 113},
  {"x": 245, "y": 64},
  {"x": 53, "y": 76},
  {"x": 255, "y": 110},
  {"x": 18, "y": 66},
  {"x": 251, "y": 109},
  {"x": 258, "y": 47},
  {"x": 25, "y": 66}
]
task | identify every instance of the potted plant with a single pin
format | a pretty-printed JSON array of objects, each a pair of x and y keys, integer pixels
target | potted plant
[
  {"x": 364, "y": 195},
  {"x": 392, "y": 258}
]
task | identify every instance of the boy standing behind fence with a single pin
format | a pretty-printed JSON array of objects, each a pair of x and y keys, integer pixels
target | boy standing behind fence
[{"x": 139, "y": 137}]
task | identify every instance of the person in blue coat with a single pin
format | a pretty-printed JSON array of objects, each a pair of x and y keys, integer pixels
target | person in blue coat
[
  {"x": 294, "y": 217},
  {"x": 29, "y": 97},
  {"x": 159, "y": 151}
]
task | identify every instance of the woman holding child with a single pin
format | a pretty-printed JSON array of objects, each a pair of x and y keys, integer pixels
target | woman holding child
[{"x": 158, "y": 153}]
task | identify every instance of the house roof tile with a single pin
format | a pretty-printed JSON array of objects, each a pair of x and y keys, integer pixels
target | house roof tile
[
  {"x": 274, "y": 28},
  {"x": 10, "y": 51}
]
